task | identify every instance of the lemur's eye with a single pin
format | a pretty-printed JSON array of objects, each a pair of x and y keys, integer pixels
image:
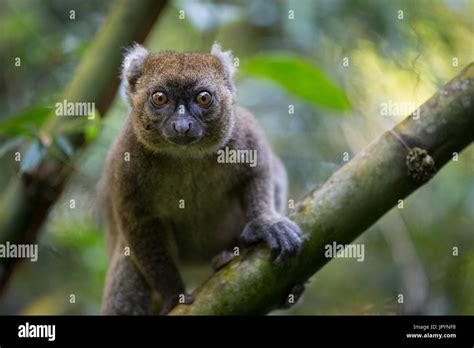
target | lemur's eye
[
  {"x": 204, "y": 98},
  {"x": 159, "y": 98}
]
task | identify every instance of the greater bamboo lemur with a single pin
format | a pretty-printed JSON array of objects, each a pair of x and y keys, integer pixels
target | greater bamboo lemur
[{"x": 168, "y": 198}]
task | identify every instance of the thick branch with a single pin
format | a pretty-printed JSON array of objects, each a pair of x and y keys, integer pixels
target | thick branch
[
  {"x": 354, "y": 198},
  {"x": 27, "y": 200}
]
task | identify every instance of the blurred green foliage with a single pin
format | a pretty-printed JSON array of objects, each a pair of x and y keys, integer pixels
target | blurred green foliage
[
  {"x": 298, "y": 76},
  {"x": 25, "y": 122},
  {"x": 408, "y": 252}
]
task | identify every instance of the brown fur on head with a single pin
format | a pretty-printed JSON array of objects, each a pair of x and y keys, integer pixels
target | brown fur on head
[{"x": 181, "y": 124}]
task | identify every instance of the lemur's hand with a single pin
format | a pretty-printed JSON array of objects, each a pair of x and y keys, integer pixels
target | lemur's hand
[{"x": 281, "y": 234}]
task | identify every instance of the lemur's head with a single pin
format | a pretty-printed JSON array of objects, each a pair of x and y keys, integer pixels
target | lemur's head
[{"x": 181, "y": 102}]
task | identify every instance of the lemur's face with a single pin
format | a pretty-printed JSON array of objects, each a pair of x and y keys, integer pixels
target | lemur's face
[{"x": 182, "y": 103}]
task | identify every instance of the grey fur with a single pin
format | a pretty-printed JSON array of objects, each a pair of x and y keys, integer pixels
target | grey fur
[{"x": 132, "y": 66}]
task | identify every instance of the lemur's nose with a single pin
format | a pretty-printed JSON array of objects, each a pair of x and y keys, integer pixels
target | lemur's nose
[{"x": 182, "y": 126}]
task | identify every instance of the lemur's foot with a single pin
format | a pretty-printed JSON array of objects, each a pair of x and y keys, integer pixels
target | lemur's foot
[
  {"x": 169, "y": 304},
  {"x": 222, "y": 259}
]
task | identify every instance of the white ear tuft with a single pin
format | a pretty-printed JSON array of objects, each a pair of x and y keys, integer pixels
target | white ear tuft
[
  {"x": 132, "y": 66},
  {"x": 226, "y": 59}
]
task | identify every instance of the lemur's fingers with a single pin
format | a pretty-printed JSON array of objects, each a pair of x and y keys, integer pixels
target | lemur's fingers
[{"x": 283, "y": 237}]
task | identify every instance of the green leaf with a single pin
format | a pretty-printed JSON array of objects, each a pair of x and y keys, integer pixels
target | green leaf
[
  {"x": 33, "y": 155},
  {"x": 10, "y": 144},
  {"x": 299, "y": 77},
  {"x": 26, "y": 121}
]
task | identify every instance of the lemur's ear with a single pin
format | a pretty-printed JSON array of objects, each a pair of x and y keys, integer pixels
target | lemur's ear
[
  {"x": 227, "y": 60},
  {"x": 132, "y": 66}
]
